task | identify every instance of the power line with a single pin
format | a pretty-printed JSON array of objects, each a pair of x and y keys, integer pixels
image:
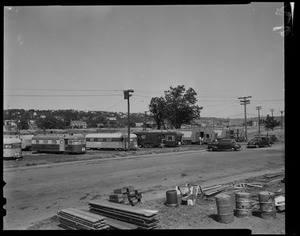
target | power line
[
  {"x": 61, "y": 95},
  {"x": 86, "y": 90},
  {"x": 221, "y": 110},
  {"x": 114, "y": 105}
]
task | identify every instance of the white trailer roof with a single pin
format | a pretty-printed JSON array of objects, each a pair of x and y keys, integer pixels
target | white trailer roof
[
  {"x": 11, "y": 140},
  {"x": 108, "y": 135},
  {"x": 186, "y": 133}
]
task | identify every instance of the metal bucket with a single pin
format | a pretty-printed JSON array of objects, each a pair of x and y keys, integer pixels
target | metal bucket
[
  {"x": 225, "y": 208},
  {"x": 267, "y": 205},
  {"x": 244, "y": 204},
  {"x": 172, "y": 200}
]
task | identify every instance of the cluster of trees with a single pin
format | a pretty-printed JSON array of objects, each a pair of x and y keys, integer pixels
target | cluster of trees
[
  {"x": 270, "y": 123},
  {"x": 177, "y": 107},
  {"x": 61, "y": 119}
]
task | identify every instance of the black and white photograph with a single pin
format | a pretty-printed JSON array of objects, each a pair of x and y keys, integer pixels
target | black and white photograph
[{"x": 145, "y": 117}]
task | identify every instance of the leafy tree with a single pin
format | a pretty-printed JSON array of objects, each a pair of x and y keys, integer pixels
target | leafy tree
[
  {"x": 157, "y": 108},
  {"x": 50, "y": 122},
  {"x": 178, "y": 107},
  {"x": 270, "y": 122}
]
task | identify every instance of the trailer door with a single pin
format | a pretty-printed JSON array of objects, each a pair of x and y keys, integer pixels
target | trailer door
[{"x": 61, "y": 145}]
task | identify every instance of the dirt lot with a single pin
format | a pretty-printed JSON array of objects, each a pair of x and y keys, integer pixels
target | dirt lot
[
  {"x": 203, "y": 215},
  {"x": 33, "y": 158}
]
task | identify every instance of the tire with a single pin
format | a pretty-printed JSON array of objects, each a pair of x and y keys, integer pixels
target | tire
[
  {"x": 256, "y": 145},
  {"x": 232, "y": 149}
]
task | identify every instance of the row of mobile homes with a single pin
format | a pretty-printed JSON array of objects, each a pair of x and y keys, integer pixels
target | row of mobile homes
[
  {"x": 52, "y": 143},
  {"x": 158, "y": 138},
  {"x": 115, "y": 141},
  {"x": 193, "y": 136},
  {"x": 238, "y": 134}
]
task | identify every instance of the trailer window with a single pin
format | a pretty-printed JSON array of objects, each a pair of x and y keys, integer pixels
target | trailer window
[
  {"x": 143, "y": 136},
  {"x": 207, "y": 135},
  {"x": 170, "y": 138},
  {"x": 16, "y": 145}
]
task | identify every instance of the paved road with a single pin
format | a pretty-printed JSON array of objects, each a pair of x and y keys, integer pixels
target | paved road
[{"x": 37, "y": 193}]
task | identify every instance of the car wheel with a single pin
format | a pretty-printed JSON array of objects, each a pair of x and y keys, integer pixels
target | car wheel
[
  {"x": 269, "y": 144},
  {"x": 232, "y": 149},
  {"x": 256, "y": 145}
]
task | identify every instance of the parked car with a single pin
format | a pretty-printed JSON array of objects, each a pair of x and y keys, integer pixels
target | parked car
[
  {"x": 260, "y": 142},
  {"x": 224, "y": 144}
]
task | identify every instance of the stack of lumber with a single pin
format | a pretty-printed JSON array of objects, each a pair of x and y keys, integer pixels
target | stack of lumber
[
  {"x": 126, "y": 195},
  {"x": 76, "y": 219},
  {"x": 216, "y": 189},
  {"x": 142, "y": 218}
]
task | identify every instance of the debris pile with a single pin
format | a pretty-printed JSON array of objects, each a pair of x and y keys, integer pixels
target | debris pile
[
  {"x": 76, "y": 219},
  {"x": 188, "y": 193},
  {"x": 126, "y": 195},
  {"x": 139, "y": 217},
  {"x": 265, "y": 181}
]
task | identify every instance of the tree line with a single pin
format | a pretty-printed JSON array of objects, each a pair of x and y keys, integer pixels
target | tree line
[
  {"x": 176, "y": 107},
  {"x": 61, "y": 119}
]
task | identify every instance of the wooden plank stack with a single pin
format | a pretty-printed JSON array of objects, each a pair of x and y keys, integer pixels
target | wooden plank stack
[
  {"x": 76, "y": 219},
  {"x": 126, "y": 195},
  {"x": 214, "y": 190},
  {"x": 142, "y": 218}
]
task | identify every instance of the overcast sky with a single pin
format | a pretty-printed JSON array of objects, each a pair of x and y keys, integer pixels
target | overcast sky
[{"x": 84, "y": 57}]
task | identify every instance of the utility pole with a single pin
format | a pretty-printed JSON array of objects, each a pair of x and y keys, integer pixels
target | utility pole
[
  {"x": 258, "y": 108},
  {"x": 145, "y": 121},
  {"x": 244, "y": 102},
  {"x": 126, "y": 96},
  {"x": 272, "y": 110},
  {"x": 281, "y": 119}
]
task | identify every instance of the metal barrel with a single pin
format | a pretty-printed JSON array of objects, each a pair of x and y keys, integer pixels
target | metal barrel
[
  {"x": 225, "y": 208},
  {"x": 267, "y": 205},
  {"x": 243, "y": 206},
  {"x": 231, "y": 193},
  {"x": 171, "y": 196}
]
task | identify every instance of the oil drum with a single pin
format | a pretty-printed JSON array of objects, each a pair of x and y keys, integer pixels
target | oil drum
[
  {"x": 225, "y": 208},
  {"x": 231, "y": 193},
  {"x": 267, "y": 205},
  {"x": 243, "y": 206},
  {"x": 172, "y": 200}
]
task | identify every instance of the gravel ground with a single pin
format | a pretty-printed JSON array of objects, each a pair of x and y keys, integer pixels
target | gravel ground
[
  {"x": 33, "y": 158},
  {"x": 203, "y": 215}
]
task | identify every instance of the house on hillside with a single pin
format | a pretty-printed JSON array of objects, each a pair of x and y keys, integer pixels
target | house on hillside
[
  {"x": 111, "y": 122},
  {"x": 78, "y": 124}
]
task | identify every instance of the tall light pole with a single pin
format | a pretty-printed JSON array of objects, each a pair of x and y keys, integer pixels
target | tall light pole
[
  {"x": 244, "y": 102},
  {"x": 281, "y": 119},
  {"x": 145, "y": 124},
  {"x": 126, "y": 96},
  {"x": 272, "y": 110},
  {"x": 258, "y": 108}
]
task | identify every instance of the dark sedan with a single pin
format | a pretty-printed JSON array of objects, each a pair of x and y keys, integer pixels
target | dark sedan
[
  {"x": 260, "y": 142},
  {"x": 224, "y": 144}
]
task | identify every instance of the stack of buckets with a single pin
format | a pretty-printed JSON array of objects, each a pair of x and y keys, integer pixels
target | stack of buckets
[{"x": 243, "y": 205}]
